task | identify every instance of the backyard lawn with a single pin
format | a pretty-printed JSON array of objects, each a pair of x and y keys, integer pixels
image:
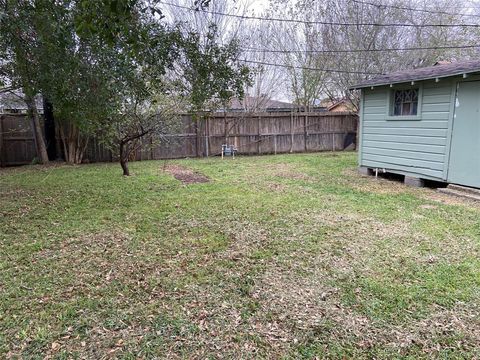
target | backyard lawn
[{"x": 289, "y": 256}]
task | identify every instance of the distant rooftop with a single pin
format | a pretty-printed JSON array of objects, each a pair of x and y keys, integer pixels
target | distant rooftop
[
  {"x": 12, "y": 101},
  {"x": 258, "y": 103},
  {"x": 440, "y": 70}
]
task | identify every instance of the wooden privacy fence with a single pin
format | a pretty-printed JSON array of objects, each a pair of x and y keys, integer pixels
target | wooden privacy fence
[
  {"x": 271, "y": 133},
  {"x": 259, "y": 133},
  {"x": 17, "y": 143}
]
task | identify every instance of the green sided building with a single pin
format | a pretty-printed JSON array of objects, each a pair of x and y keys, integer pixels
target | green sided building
[{"x": 423, "y": 123}]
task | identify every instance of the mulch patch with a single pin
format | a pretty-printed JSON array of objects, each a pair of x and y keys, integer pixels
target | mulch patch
[{"x": 186, "y": 176}]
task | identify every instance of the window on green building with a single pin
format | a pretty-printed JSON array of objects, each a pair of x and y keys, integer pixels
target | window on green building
[{"x": 405, "y": 102}]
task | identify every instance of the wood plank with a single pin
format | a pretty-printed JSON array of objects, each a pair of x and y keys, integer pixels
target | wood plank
[
  {"x": 438, "y": 115},
  {"x": 372, "y": 110},
  {"x": 406, "y": 162},
  {"x": 375, "y": 95},
  {"x": 407, "y": 154},
  {"x": 434, "y": 89},
  {"x": 375, "y": 102},
  {"x": 436, "y": 99},
  {"x": 413, "y": 124},
  {"x": 374, "y": 117},
  {"x": 393, "y": 145},
  {"x": 400, "y": 168},
  {"x": 2, "y": 150},
  {"x": 440, "y": 107},
  {"x": 426, "y": 132},
  {"x": 406, "y": 139}
]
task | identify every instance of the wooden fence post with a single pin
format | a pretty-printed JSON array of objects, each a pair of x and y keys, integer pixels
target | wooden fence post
[
  {"x": 207, "y": 136},
  {"x": 258, "y": 135},
  {"x": 152, "y": 150},
  {"x": 291, "y": 132},
  {"x": 2, "y": 150},
  {"x": 305, "y": 131},
  {"x": 197, "y": 138}
]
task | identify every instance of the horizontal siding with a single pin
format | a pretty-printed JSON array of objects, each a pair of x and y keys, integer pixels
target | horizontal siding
[
  {"x": 392, "y": 166},
  {"x": 405, "y": 161},
  {"x": 436, "y": 89},
  {"x": 406, "y": 154},
  {"x": 410, "y": 146},
  {"x": 375, "y": 103},
  {"x": 373, "y": 95},
  {"x": 438, "y": 115},
  {"x": 390, "y": 130},
  {"x": 432, "y": 124},
  {"x": 435, "y": 99},
  {"x": 434, "y": 108},
  {"x": 407, "y": 139},
  {"x": 373, "y": 110}
]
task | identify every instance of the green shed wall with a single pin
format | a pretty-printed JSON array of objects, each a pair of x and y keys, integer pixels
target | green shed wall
[{"x": 412, "y": 145}]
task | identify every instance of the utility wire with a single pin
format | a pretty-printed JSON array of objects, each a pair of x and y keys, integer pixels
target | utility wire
[
  {"x": 361, "y": 50},
  {"x": 383, "y": 6},
  {"x": 311, "y": 68},
  {"x": 314, "y": 22}
]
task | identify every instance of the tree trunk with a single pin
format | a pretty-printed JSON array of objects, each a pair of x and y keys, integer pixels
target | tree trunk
[
  {"x": 49, "y": 129},
  {"x": 37, "y": 130},
  {"x": 74, "y": 143},
  {"x": 124, "y": 158}
]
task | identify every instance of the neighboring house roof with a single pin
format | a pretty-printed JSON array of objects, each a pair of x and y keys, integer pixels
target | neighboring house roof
[
  {"x": 440, "y": 70},
  {"x": 340, "y": 103},
  {"x": 13, "y": 101},
  {"x": 257, "y": 103},
  {"x": 263, "y": 104}
]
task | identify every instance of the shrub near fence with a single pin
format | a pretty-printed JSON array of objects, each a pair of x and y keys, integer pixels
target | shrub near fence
[{"x": 258, "y": 133}]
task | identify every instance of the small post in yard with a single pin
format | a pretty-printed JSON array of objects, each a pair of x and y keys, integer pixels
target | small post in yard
[{"x": 275, "y": 144}]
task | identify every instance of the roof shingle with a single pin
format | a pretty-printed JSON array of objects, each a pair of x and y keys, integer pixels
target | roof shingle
[{"x": 425, "y": 73}]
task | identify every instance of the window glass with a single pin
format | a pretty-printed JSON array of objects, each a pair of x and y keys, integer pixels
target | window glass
[{"x": 405, "y": 102}]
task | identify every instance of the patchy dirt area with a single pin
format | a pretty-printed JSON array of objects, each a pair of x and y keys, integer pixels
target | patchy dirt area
[
  {"x": 387, "y": 186},
  {"x": 185, "y": 175}
]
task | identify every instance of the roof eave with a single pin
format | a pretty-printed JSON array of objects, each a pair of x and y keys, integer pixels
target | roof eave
[{"x": 388, "y": 83}]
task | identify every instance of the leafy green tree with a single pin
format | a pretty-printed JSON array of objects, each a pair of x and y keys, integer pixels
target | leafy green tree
[
  {"x": 103, "y": 64},
  {"x": 19, "y": 50}
]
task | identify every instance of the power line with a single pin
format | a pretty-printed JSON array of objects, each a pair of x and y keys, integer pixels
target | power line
[
  {"x": 380, "y": 6},
  {"x": 311, "y": 68},
  {"x": 316, "y": 22},
  {"x": 362, "y": 50}
]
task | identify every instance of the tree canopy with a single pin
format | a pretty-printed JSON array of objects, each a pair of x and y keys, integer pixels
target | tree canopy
[{"x": 95, "y": 61}]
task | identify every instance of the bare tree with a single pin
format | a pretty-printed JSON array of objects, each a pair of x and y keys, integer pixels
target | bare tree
[{"x": 320, "y": 45}]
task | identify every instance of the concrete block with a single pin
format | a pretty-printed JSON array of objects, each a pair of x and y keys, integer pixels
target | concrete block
[
  {"x": 365, "y": 170},
  {"x": 413, "y": 181}
]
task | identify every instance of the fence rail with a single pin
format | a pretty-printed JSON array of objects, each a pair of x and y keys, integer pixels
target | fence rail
[{"x": 257, "y": 133}]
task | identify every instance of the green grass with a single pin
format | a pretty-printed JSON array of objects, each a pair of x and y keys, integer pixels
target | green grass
[{"x": 291, "y": 256}]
